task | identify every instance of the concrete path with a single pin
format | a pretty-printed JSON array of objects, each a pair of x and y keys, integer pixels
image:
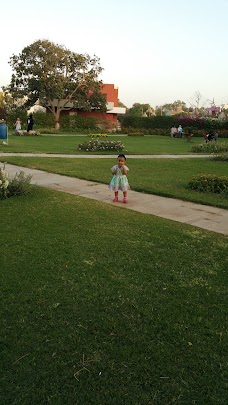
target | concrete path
[
  {"x": 104, "y": 156},
  {"x": 209, "y": 218}
]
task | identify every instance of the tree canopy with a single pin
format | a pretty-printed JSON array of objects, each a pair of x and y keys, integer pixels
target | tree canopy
[
  {"x": 140, "y": 109},
  {"x": 56, "y": 76}
]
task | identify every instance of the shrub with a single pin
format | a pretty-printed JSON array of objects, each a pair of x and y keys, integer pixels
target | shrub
[
  {"x": 4, "y": 183},
  {"x": 129, "y": 122},
  {"x": 78, "y": 123},
  {"x": 221, "y": 158},
  {"x": 19, "y": 185},
  {"x": 209, "y": 183},
  {"x": 96, "y": 144},
  {"x": 210, "y": 147},
  {"x": 43, "y": 120}
]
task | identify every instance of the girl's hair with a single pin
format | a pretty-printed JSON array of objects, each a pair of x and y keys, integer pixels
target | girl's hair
[{"x": 122, "y": 155}]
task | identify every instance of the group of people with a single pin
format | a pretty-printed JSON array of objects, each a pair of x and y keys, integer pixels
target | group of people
[
  {"x": 30, "y": 124},
  {"x": 176, "y": 132},
  {"x": 212, "y": 136}
]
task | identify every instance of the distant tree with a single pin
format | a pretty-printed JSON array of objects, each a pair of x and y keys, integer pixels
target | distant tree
[
  {"x": 55, "y": 76},
  {"x": 163, "y": 109},
  {"x": 139, "y": 109},
  {"x": 195, "y": 100}
]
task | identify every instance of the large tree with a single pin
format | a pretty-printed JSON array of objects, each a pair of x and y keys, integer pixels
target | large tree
[{"x": 57, "y": 77}]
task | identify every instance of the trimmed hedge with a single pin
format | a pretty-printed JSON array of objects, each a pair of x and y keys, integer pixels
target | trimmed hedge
[
  {"x": 47, "y": 120},
  {"x": 209, "y": 183},
  {"x": 151, "y": 124}
]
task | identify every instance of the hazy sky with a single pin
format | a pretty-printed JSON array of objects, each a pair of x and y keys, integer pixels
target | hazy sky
[{"x": 154, "y": 51}]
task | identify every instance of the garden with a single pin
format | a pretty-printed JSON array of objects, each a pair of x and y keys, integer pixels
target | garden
[{"x": 101, "y": 305}]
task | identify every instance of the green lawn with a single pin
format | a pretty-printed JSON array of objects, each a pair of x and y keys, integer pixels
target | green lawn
[
  {"x": 69, "y": 144},
  {"x": 101, "y": 305},
  {"x": 166, "y": 177}
]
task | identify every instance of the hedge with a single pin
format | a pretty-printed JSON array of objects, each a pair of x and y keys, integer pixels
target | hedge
[
  {"x": 149, "y": 123},
  {"x": 209, "y": 183},
  {"x": 75, "y": 122}
]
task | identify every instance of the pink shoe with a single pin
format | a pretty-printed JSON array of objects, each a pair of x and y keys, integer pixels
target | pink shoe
[
  {"x": 125, "y": 200},
  {"x": 115, "y": 199}
]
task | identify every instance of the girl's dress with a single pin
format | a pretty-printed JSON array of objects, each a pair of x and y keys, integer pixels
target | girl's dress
[
  {"x": 119, "y": 180},
  {"x": 17, "y": 126}
]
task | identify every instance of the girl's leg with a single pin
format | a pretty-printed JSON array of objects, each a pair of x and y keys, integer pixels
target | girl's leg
[
  {"x": 125, "y": 196},
  {"x": 115, "y": 199}
]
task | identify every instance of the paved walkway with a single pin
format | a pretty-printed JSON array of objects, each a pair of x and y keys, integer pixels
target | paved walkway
[
  {"x": 209, "y": 218},
  {"x": 103, "y": 156}
]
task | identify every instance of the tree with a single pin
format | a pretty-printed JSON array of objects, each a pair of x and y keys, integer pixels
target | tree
[
  {"x": 6, "y": 101},
  {"x": 195, "y": 100},
  {"x": 56, "y": 77},
  {"x": 163, "y": 109},
  {"x": 139, "y": 109}
]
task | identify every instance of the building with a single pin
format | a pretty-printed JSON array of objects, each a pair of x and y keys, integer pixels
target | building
[{"x": 110, "y": 116}]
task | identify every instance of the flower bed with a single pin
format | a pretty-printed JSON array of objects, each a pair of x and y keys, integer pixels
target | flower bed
[
  {"x": 98, "y": 135},
  {"x": 96, "y": 145},
  {"x": 30, "y": 133}
]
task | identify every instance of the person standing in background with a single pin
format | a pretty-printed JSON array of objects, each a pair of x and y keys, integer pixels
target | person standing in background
[
  {"x": 180, "y": 131},
  {"x": 17, "y": 126},
  {"x": 30, "y": 123}
]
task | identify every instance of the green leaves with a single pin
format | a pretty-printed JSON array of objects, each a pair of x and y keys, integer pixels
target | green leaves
[{"x": 50, "y": 73}]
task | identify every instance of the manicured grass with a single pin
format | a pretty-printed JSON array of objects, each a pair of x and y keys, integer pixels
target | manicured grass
[
  {"x": 101, "y": 305},
  {"x": 166, "y": 177},
  {"x": 69, "y": 144}
]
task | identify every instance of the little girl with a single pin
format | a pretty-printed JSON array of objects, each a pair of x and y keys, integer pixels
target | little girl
[
  {"x": 119, "y": 180},
  {"x": 17, "y": 126}
]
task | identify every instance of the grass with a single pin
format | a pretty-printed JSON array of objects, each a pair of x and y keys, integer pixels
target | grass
[
  {"x": 166, "y": 177},
  {"x": 69, "y": 144},
  {"x": 107, "y": 306}
]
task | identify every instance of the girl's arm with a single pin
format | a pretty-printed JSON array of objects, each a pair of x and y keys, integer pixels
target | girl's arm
[
  {"x": 125, "y": 170},
  {"x": 114, "y": 169}
]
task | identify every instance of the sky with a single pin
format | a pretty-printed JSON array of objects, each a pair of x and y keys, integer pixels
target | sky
[{"x": 155, "y": 51}]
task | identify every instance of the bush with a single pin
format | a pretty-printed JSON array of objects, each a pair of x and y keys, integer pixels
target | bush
[
  {"x": 19, "y": 185},
  {"x": 130, "y": 122},
  {"x": 210, "y": 147},
  {"x": 95, "y": 145},
  {"x": 78, "y": 123},
  {"x": 43, "y": 120},
  {"x": 209, "y": 183},
  {"x": 221, "y": 158}
]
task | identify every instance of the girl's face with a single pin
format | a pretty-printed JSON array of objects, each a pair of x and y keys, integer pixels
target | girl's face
[{"x": 121, "y": 161}]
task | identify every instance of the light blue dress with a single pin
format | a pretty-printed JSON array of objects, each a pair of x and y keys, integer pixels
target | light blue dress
[{"x": 119, "y": 180}]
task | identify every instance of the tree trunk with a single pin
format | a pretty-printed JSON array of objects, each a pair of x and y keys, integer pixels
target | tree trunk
[{"x": 57, "y": 118}]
